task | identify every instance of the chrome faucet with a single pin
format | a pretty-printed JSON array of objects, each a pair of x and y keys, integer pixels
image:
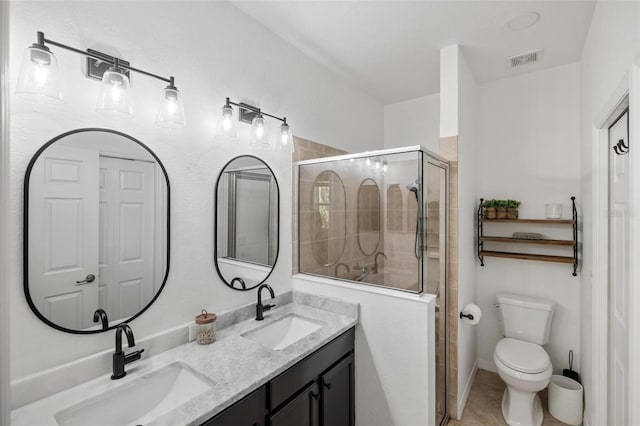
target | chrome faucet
[
  {"x": 335, "y": 271},
  {"x": 119, "y": 357},
  {"x": 375, "y": 261},
  {"x": 101, "y": 316},
  {"x": 260, "y": 308}
]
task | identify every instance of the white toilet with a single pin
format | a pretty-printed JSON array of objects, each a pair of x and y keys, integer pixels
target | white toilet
[{"x": 520, "y": 359}]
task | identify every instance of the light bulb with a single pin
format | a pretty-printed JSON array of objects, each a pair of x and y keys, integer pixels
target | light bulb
[
  {"x": 41, "y": 74},
  {"x": 227, "y": 128},
  {"x": 286, "y": 138},
  {"x": 171, "y": 112},
  {"x": 259, "y": 132},
  {"x": 116, "y": 92}
]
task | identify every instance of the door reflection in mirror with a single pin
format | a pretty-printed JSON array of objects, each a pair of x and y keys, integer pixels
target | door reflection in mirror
[
  {"x": 247, "y": 203},
  {"x": 96, "y": 233}
]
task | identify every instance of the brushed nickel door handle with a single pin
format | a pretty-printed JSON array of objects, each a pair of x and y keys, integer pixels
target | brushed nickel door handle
[{"x": 90, "y": 278}]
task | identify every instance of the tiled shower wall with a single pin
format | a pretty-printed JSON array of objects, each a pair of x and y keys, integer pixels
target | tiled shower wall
[{"x": 449, "y": 150}]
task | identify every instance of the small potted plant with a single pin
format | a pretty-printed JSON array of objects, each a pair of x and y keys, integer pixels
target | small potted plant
[
  {"x": 489, "y": 207},
  {"x": 512, "y": 209},
  {"x": 501, "y": 209}
]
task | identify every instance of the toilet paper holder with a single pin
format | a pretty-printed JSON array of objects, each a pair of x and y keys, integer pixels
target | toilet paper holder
[{"x": 463, "y": 315}]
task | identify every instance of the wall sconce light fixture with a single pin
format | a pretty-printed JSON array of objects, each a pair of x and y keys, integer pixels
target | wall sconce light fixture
[
  {"x": 227, "y": 128},
  {"x": 39, "y": 79}
]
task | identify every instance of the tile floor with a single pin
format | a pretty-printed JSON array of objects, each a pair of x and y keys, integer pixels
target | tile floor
[{"x": 484, "y": 404}]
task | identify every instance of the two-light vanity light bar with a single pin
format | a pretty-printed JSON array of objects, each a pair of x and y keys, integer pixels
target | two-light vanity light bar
[{"x": 39, "y": 79}]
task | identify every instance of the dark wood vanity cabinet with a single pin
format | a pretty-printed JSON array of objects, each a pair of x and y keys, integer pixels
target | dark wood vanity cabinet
[
  {"x": 338, "y": 394},
  {"x": 317, "y": 391},
  {"x": 249, "y": 411}
]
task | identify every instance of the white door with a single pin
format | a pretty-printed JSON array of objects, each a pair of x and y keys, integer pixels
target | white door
[
  {"x": 127, "y": 222},
  {"x": 63, "y": 249},
  {"x": 618, "y": 386}
]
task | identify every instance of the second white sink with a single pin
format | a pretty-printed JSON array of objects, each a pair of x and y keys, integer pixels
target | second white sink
[
  {"x": 283, "y": 332},
  {"x": 139, "y": 401}
]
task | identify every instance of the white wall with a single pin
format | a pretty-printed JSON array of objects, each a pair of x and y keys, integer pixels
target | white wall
[
  {"x": 4, "y": 214},
  {"x": 528, "y": 128},
  {"x": 612, "y": 44},
  {"x": 395, "y": 365},
  {"x": 413, "y": 122},
  {"x": 214, "y": 51},
  {"x": 468, "y": 168}
]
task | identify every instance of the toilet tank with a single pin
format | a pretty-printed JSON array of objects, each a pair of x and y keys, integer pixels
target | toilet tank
[{"x": 525, "y": 318}]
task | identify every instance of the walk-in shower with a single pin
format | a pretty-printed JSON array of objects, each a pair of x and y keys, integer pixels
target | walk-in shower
[{"x": 379, "y": 218}]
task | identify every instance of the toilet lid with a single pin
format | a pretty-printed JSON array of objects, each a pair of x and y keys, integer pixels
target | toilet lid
[{"x": 522, "y": 356}]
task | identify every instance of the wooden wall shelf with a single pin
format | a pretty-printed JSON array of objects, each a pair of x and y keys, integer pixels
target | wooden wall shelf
[
  {"x": 573, "y": 243},
  {"x": 541, "y": 221}
]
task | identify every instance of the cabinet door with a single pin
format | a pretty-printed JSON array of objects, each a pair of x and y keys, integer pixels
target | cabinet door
[
  {"x": 338, "y": 394},
  {"x": 303, "y": 410},
  {"x": 249, "y": 411}
]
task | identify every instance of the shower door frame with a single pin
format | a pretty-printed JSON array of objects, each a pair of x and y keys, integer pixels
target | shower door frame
[
  {"x": 442, "y": 164},
  {"x": 427, "y": 157}
]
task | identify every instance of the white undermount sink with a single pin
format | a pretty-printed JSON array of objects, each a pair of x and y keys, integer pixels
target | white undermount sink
[
  {"x": 139, "y": 401},
  {"x": 283, "y": 332}
]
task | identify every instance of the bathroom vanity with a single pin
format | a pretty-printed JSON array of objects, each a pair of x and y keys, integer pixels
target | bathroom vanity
[
  {"x": 296, "y": 367},
  {"x": 318, "y": 390}
]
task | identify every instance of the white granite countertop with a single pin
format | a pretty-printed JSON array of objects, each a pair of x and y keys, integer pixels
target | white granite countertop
[{"x": 236, "y": 365}]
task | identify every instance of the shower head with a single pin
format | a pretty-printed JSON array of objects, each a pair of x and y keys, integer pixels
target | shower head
[{"x": 414, "y": 186}]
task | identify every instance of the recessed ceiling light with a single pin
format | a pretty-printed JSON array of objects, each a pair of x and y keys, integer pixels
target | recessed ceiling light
[{"x": 522, "y": 21}]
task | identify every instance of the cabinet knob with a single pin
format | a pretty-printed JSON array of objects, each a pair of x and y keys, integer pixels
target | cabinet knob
[
  {"x": 326, "y": 385},
  {"x": 315, "y": 395}
]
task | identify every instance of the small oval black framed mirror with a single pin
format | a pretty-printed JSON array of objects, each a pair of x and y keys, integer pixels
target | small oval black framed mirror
[
  {"x": 96, "y": 230},
  {"x": 247, "y": 220}
]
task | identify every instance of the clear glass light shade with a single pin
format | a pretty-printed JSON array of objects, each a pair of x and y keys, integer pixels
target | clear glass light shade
[
  {"x": 227, "y": 127},
  {"x": 285, "y": 138},
  {"x": 259, "y": 134},
  {"x": 171, "y": 112},
  {"x": 38, "y": 77},
  {"x": 115, "y": 93}
]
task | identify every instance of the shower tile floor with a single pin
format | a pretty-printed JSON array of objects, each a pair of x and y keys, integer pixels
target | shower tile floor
[{"x": 484, "y": 404}]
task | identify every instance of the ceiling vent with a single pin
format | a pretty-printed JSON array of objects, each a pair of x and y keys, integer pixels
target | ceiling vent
[{"x": 525, "y": 58}]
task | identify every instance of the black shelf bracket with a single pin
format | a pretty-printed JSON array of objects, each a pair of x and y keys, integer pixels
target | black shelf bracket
[
  {"x": 575, "y": 236},
  {"x": 480, "y": 242}
]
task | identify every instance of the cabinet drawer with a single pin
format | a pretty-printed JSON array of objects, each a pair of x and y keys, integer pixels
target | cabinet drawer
[{"x": 288, "y": 383}]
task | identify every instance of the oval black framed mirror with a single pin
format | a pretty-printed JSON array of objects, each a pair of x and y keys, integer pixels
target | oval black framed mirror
[
  {"x": 369, "y": 216},
  {"x": 247, "y": 220},
  {"x": 96, "y": 230},
  {"x": 329, "y": 223}
]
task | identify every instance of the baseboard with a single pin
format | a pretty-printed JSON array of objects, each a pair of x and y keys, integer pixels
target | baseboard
[
  {"x": 462, "y": 401},
  {"x": 483, "y": 364}
]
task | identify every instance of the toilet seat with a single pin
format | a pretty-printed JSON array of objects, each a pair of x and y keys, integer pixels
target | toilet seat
[{"x": 522, "y": 356}]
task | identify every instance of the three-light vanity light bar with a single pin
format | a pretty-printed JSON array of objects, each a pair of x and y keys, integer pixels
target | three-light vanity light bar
[
  {"x": 259, "y": 135},
  {"x": 39, "y": 79}
]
